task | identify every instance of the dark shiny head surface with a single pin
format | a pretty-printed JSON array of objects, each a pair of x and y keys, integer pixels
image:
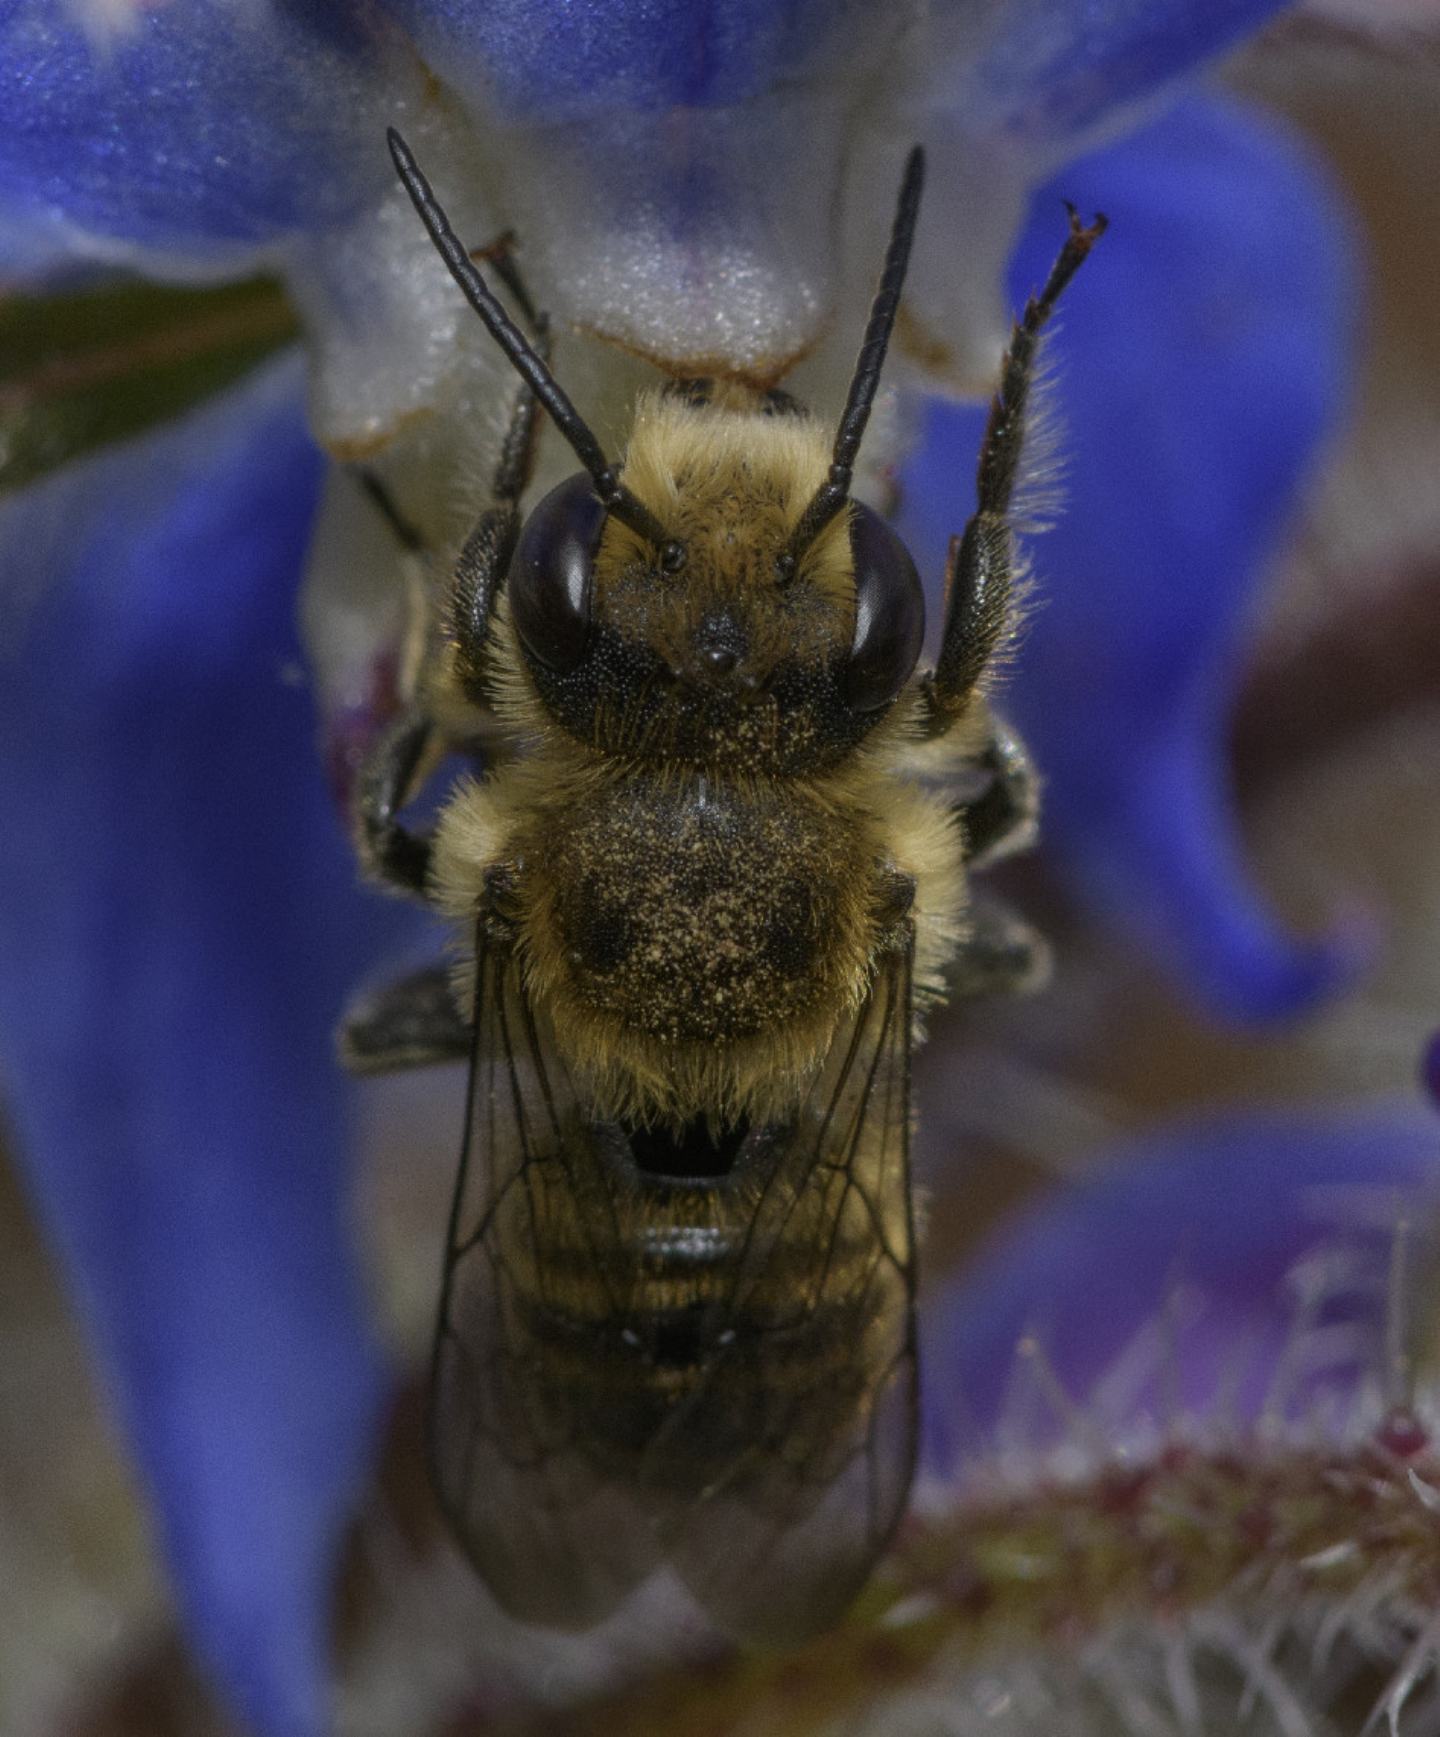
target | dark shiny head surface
[{"x": 724, "y": 658}]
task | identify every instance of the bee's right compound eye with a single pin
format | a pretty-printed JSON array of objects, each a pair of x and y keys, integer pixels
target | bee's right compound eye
[
  {"x": 889, "y": 613},
  {"x": 551, "y": 574}
]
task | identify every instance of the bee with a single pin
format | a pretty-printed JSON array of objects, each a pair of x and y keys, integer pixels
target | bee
[{"x": 708, "y": 881}]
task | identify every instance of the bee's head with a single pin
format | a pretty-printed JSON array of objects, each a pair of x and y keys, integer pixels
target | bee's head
[
  {"x": 716, "y": 646},
  {"x": 728, "y": 596}
]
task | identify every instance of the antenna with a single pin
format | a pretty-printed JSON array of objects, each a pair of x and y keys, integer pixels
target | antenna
[
  {"x": 835, "y": 491},
  {"x": 616, "y": 498}
]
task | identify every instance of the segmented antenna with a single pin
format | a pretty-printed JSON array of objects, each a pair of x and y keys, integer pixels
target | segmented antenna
[
  {"x": 835, "y": 491},
  {"x": 616, "y": 498}
]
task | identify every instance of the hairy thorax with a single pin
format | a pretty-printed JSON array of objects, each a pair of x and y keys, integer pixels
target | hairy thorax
[
  {"x": 692, "y": 942},
  {"x": 692, "y": 930},
  {"x": 700, "y": 915}
]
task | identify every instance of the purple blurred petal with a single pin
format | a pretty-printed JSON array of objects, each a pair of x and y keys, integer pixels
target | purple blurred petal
[
  {"x": 648, "y": 55},
  {"x": 34, "y": 247},
  {"x": 180, "y": 922},
  {"x": 1034, "y": 65},
  {"x": 685, "y": 167},
  {"x": 1217, "y": 1214},
  {"x": 1203, "y": 356},
  {"x": 203, "y": 129},
  {"x": 1056, "y": 68}
]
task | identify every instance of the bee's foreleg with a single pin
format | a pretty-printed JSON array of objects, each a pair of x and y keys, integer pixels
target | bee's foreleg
[
  {"x": 1002, "y": 818},
  {"x": 475, "y": 584},
  {"x": 412, "y": 1023},
  {"x": 1001, "y": 954},
  {"x": 389, "y": 852},
  {"x": 980, "y": 569},
  {"x": 485, "y": 558},
  {"x": 977, "y": 615}
]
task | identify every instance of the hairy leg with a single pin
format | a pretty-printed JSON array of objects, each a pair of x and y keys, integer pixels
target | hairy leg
[
  {"x": 413, "y": 1022},
  {"x": 1002, "y": 818},
  {"x": 391, "y": 853},
  {"x": 1002, "y": 954},
  {"x": 979, "y": 570}
]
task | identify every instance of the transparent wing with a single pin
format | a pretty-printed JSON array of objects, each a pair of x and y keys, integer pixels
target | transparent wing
[
  {"x": 752, "y": 1421},
  {"x": 818, "y": 1353},
  {"x": 556, "y": 1542}
]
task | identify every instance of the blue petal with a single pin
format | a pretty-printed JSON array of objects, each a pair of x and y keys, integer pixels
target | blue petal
[
  {"x": 33, "y": 247},
  {"x": 201, "y": 128},
  {"x": 677, "y": 164},
  {"x": 1217, "y": 1213},
  {"x": 686, "y": 167},
  {"x": 650, "y": 55},
  {"x": 1026, "y": 65},
  {"x": 1204, "y": 353},
  {"x": 178, "y": 922},
  {"x": 1056, "y": 68}
]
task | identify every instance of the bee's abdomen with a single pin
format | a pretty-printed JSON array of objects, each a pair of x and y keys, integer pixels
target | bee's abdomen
[
  {"x": 695, "y": 913},
  {"x": 686, "y": 1391},
  {"x": 648, "y": 1340}
]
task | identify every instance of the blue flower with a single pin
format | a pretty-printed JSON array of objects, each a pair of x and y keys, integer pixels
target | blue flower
[
  {"x": 1181, "y": 1274},
  {"x": 180, "y": 924},
  {"x": 1200, "y": 365},
  {"x": 183, "y": 925}
]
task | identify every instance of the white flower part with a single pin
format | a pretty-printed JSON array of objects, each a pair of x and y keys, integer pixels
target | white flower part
[
  {"x": 741, "y": 282},
  {"x": 742, "y": 240},
  {"x": 104, "y": 20},
  {"x": 739, "y": 239},
  {"x": 353, "y": 607},
  {"x": 703, "y": 238},
  {"x": 955, "y": 315},
  {"x": 390, "y": 336}
]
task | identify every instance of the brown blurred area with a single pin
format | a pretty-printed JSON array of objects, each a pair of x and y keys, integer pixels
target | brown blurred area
[{"x": 1337, "y": 749}]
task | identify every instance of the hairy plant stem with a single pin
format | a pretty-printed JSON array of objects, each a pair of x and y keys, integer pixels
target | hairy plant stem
[{"x": 1255, "y": 1528}]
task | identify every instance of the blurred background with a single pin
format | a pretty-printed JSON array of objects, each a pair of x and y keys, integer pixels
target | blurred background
[{"x": 1336, "y": 746}]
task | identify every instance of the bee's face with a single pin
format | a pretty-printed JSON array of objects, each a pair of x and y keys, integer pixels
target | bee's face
[{"x": 710, "y": 650}]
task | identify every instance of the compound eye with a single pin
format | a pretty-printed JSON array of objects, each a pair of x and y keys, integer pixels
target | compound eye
[
  {"x": 889, "y": 614},
  {"x": 551, "y": 574}
]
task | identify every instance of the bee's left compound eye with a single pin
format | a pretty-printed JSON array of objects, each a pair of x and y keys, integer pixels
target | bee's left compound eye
[
  {"x": 551, "y": 574},
  {"x": 889, "y": 613}
]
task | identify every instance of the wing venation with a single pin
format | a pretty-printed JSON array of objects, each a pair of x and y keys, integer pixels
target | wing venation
[{"x": 716, "y": 1373}]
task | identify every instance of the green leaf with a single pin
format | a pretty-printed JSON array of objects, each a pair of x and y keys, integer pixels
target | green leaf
[{"x": 83, "y": 369}]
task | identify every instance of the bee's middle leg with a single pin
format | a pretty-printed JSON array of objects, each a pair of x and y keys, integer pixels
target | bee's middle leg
[
  {"x": 1001, "y": 954},
  {"x": 485, "y": 558},
  {"x": 395, "y": 767},
  {"x": 390, "y": 852},
  {"x": 411, "y": 1023},
  {"x": 1004, "y": 817}
]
